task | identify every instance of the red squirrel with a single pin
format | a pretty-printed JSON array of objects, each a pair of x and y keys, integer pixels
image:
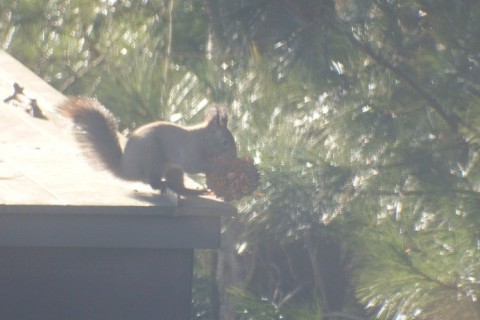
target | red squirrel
[{"x": 157, "y": 153}]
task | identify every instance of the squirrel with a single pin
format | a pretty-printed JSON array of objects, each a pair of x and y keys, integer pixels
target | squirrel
[{"x": 158, "y": 153}]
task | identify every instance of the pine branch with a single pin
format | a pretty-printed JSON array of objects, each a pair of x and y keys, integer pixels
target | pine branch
[
  {"x": 77, "y": 75},
  {"x": 290, "y": 295},
  {"x": 416, "y": 193},
  {"x": 428, "y": 278},
  {"x": 169, "y": 41},
  {"x": 403, "y": 256},
  {"x": 451, "y": 121}
]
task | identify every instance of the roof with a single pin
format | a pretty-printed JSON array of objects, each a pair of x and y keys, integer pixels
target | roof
[{"x": 41, "y": 164}]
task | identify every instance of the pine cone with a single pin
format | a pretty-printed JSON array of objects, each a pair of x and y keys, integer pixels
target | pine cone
[{"x": 234, "y": 179}]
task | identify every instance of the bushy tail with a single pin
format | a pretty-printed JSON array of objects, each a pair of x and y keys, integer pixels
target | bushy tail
[{"x": 98, "y": 134}]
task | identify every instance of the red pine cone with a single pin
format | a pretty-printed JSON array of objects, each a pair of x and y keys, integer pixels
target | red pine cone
[{"x": 240, "y": 178}]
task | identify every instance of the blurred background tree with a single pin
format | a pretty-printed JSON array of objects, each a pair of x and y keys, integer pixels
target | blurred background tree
[{"x": 362, "y": 116}]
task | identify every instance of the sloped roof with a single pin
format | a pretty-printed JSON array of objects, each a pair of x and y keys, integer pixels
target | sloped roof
[{"x": 41, "y": 164}]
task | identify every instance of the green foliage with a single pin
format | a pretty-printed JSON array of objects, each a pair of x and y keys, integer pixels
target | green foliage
[
  {"x": 387, "y": 130},
  {"x": 308, "y": 311},
  {"x": 417, "y": 271},
  {"x": 362, "y": 117},
  {"x": 249, "y": 307}
]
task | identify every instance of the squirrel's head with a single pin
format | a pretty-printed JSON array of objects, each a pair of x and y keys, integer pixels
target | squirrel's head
[{"x": 220, "y": 139}]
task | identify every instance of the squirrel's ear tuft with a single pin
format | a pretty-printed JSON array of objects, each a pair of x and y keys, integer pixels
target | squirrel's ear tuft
[{"x": 217, "y": 116}]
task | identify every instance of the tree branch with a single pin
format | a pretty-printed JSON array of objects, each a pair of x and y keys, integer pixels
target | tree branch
[
  {"x": 168, "y": 51},
  {"x": 417, "y": 193},
  {"x": 452, "y": 122}
]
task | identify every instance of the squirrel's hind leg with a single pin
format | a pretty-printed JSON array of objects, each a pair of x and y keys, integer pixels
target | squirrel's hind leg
[
  {"x": 157, "y": 184},
  {"x": 174, "y": 181}
]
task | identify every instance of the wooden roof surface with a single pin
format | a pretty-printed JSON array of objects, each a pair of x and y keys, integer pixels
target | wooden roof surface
[{"x": 41, "y": 164}]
